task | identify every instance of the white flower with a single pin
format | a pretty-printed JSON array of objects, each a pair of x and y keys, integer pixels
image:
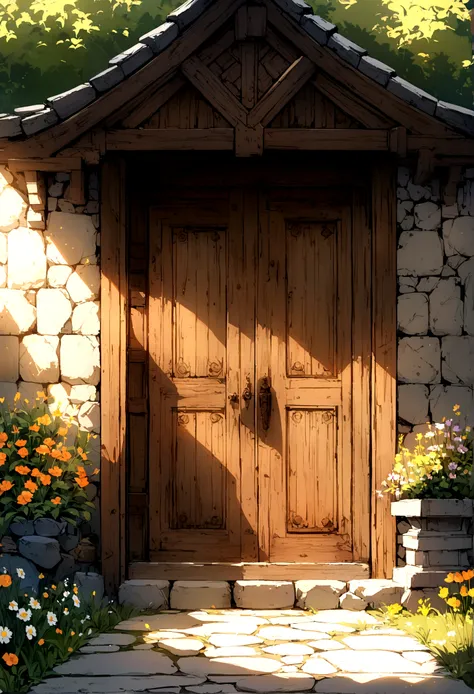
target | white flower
[
  {"x": 66, "y": 611},
  {"x": 13, "y": 606},
  {"x": 76, "y": 601},
  {"x": 5, "y": 635},
  {"x": 451, "y": 633},
  {"x": 24, "y": 615},
  {"x": 439, "y": 643},
  {"x": 52, "y": 619},
  {"x": 30, "y": 631},
  {"x": 21, "y": 573},
  {"x": 429, "y": 434},
  {"x": 66, "y": 594},
  {"x": 35, "y": 604}
]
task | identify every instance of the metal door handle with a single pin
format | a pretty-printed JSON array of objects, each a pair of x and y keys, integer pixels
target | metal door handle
[
  {"x": 247, "y": 393},
  {"x": 265, "y": 403}
]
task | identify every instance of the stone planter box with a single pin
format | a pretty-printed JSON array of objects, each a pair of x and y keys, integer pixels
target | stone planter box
[{"x": 436, "y": 536}]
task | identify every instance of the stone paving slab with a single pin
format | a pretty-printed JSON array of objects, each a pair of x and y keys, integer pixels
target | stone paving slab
[{"x": 267, "y": 651}]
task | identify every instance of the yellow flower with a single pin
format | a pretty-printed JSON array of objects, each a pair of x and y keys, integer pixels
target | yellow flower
[
  {"x": 443, "y": 592},
  {"x": 449, "y": 578},
  {"x": 456, "y": 408},
  {"x": 454, "y": 603},
  {"x": 41, "y": 576},
  {"x": 471, "y": 593},
  {"x": 69, "y": 650},
  {"x": 62, "y": 431},
  {"x": 17, "y": 397}
]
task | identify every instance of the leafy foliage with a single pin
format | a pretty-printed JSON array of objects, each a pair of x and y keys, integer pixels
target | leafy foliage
[
  {"x": 37, "y": 632},
  {"x": 439, "y": 467},
  {"x": 48, "y": 46},
  {"x": 40, "y": 475}
]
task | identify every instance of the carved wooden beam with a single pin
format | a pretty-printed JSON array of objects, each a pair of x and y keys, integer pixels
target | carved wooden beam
[
  {"x": 397, "y": 141},
  {"x": 248, "y": 141}
]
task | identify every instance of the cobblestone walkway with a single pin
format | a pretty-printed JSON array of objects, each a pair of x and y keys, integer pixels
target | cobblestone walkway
[{"x": 229, "y": 651}]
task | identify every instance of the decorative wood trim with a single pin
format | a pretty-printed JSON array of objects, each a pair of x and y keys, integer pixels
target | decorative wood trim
[
  {"x": 196, "y": 571},
  {"x": 384, "y": 367},
  {"x": 442, "y": 146},
  {"x": 214, "y": 91},
  {"x": 59, "y": 164},
  {"x": 171, "y": 139},
  {"x": 250, "y": 22},
  {"x": 248, "y": 58},
  {"x": 326, "y": 139},
  {"x": 113, "y": 371},
  {"x": 153, "y": 103},
  {"x": 281, "y": 92}
]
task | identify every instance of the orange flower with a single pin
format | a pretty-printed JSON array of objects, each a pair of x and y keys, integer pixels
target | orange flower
[
  {"x": 15, "y": 429},
  {"x": 56, "y": 501},
  {"x": 3, "y": 457},
  {"x": 81, "y": 481},
  {"x": 36, "y": 473},
  {"x": 45, "y": 595},
  {"x": 55, "y": 471},
  {"x": 22, "y": 470},
  {"x": 467, "y": 575},
  {"x": 5, "y": 486},
  {"x": 65, "y": 456},
  {"x": 83, "y": 456},
  {"x": 56, "y": 454},
  {"x": 62, "y": 431},
  {"x": 5, "y": 580},
  {"x": 31, "y": 486},
  {"x": 41, "y": 642},
  {"x": 42, "y": 450},
  {"x": 454, "y": 603},
  {"x": 24, "y": 498},
  {"x": 49, "y": 442},
  {"x": 458, "y": 577},
  {"x": 23, "y": 452},
  {"x": 96, "y": 471},
  {"x": 20, "y": 443},
  {"x": 464, "y": 592},
  {"x": 45, "y": 480},
  {"x": 81, "y": 471},
  {"x": 10, "y": 659},
  {"x": 3, "y": 437},
  {"x": 59, "y": 631},
  {"x": 45, "y": 419},
  {"x": 69, "y": 650},
  {"x": 34, "y": 427}
]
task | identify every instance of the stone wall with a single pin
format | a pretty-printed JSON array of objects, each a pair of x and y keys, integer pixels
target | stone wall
[
  {"x": 435, "y": 305},
  {"x": 49, "y": 304}
]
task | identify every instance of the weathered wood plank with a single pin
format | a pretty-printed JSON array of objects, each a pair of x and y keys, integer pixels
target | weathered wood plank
[
  {"x": 325, "y": 139},
  {"x": 113, "y": 372},
  {"x": 170, "y": 139}
]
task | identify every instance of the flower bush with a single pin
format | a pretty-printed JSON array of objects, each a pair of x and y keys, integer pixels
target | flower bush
[
  {"x": 440, "y": 466},
  {"x": 38, "y": 631},
  {"x": 40, "y": 475}
]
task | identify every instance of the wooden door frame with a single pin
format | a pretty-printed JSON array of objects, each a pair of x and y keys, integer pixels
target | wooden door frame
[{"x": 382, "y": 212}]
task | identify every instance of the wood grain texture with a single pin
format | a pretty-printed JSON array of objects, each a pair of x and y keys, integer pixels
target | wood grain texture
[
  {"x": 113, "y": 372},
  {"x": 384, "y": 378}
]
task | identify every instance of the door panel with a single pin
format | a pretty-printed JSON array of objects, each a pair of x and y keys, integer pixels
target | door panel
[
  {"x": 304, "y": 352},
  {"x": 198, "y": 355}
]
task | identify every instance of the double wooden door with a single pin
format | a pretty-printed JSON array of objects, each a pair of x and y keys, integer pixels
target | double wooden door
[{"x": 259, "y": 351}]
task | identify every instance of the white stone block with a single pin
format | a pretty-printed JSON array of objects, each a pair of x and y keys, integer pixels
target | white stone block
[
  {"x": 427, "y": 284},
  {"x": 419, "y": 360},
  {"x": 458, "y": 236},
  {"x": 3, "y": 276},
  {"x": 349, "y": 601},
  {"x": 377, "y": 591},
  {"x": 12, "y": 209},
  {"x": 29, "y": 391},
  {"x": 412, "y": 314},
  {"x": 195, "y": 595},
  {"x": 53, "y": 310},
  {"x": 443, "y": 398},
  {"x": 80, "y": 359},
  {"x": 26, "y": 259},
  {"x": 449, "y": 211},
  {"x": 446, "y": 308},
  {"x": 59, "y": 397},
  {"x": 89, "y": 417},
  {"x": 417, "y": 193},
  {"x": 80, "y": 394},
  {"x": 458, "y": 359},
  {"x": 66, "y": 206},
  {"x": 84, "y": 284},
  {"x": 17, "y": 315},
  {"x": 71, "y": 238},
  {"x": 145, "y": 594},
  {"x": 39, "y": 358},
  {"x": 427, "y": 216},
  {"x": 319, "y": 595},
  {"x": 420, "y": 253},
  {"x": 85, "y": 318},
  {"x": 34, "y": 219},
  {"x": 266, "y": 595},
  {"x": 9, "y": 350},
  {"x": 58, "y": 275},
  {"x": 404, "y": 207},
  {"x": 3, "y": 248},
  {"x": 413, "y": 403}
]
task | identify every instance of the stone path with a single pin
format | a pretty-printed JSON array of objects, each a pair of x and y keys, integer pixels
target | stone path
[{"x": 230, "y": 651}]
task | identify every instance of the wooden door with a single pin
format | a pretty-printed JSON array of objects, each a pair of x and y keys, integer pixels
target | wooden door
[
  {"x": 259, "y": 363},
  {"x": 202, "y": 486},
  {"x": 307, "y": 328}
]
